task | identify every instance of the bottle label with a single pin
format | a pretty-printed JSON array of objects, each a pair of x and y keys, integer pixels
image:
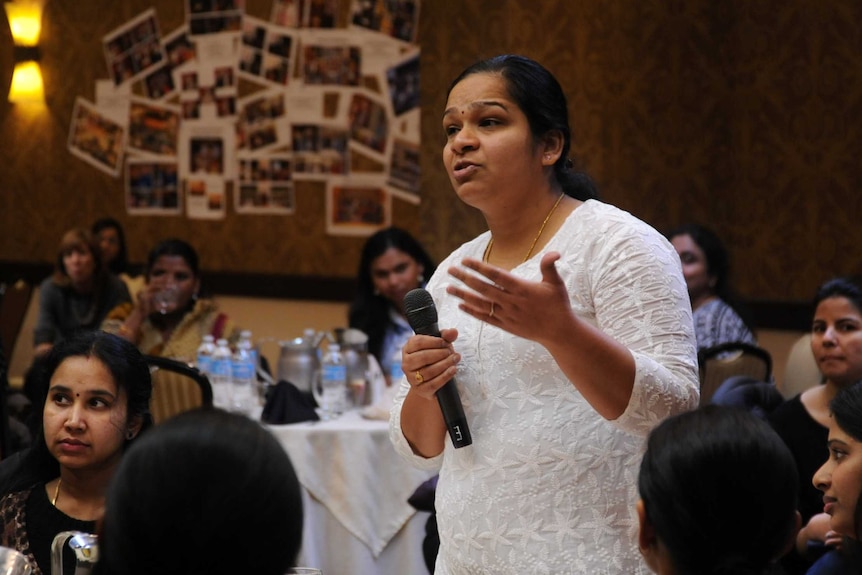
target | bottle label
[
  {"x": 242, "y": 370},
  {"x": 221, "y": 367},
  {"x": 204, "y": 363},
  {"x": 335, "y": 373}
]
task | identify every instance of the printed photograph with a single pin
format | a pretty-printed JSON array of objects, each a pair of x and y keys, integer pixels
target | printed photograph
[
  {"x": 153, "y": 128},
  {"x": 214, "y": 17},
  {"x": 403, "y": 82},
  {"x": 404, "y": 170},
  {"x": 152, "y": 187},
  {"x": 96, "y": 139},
  {"x": 396, "y": 18},
  {"x": 369, "y": 125},
  {"x": 159, "y": 84},
  {"x": 356, "y": 209},
  {"x": 319, "y": 151},
  {"x": 134, "y": 48},
  {"x": 331, "y": 65}
]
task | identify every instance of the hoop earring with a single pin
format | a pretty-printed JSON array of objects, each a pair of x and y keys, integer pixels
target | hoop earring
[{"x": 130, "y": 435}]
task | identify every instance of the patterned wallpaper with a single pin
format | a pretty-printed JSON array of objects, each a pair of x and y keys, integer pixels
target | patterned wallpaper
[{"x": 741, "y": 115}]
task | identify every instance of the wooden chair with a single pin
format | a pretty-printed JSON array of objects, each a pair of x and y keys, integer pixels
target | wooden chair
[
  {"x": 177, "y": 387},
  {"x": 726, "y": 360},
  {"x": 14, "y": 299}
]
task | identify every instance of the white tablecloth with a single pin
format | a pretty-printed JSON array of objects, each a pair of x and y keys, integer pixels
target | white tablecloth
[{"x": 357, "y": 519}]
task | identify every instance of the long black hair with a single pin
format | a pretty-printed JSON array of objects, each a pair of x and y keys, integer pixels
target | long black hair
[
  {"x": 121, "y": 262},
  {"x": 717, "y": 265},
  {"x": 173, "y": 247},
  {"x": 206, "y": 492},
  {"x": 541, "y": 98},
  {"x": 705, "y": 469},
  {"x": 369, "y": 311},
  {"x": 846, "y": 409},
  {"x": 849, "y": 287}
]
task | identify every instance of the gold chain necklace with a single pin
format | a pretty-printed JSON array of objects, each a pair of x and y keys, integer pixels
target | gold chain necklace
[
  {"x": 56, "y": 492},
  {"x": 487, "y": 253}
]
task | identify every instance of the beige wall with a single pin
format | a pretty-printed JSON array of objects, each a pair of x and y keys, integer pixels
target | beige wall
[
  {"x": 275, "y": 319},
  {"x": 271, "y": 320}
]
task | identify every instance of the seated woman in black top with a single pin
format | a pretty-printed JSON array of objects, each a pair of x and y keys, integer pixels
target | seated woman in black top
[
  {"x": 802, "y": 422},
  {"x": 98, "y": 392}
]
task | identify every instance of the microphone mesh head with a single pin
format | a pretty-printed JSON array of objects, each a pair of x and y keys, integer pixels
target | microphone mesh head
[{"x": 420, "y": 309}]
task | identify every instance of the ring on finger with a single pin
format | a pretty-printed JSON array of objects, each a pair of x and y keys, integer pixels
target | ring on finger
[
  {"x": 491, "y": 313},
  {"x": 418, "y": 377}
]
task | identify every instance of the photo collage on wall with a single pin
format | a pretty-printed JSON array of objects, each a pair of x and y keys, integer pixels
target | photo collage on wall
[{"x": 331, "y": 101}]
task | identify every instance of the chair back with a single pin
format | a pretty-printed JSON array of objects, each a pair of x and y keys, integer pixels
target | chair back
[
  {"x": 177, "y": 387},
  {"x": 726, "y": 360},
  {"x": 800, "y": 371},
  {"x": 14, "y": 300}
]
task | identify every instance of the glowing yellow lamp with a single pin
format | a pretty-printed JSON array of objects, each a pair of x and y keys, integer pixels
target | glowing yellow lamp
[
  {"x": 25, "y": 23},
  {"x": 27, "y": 84}
]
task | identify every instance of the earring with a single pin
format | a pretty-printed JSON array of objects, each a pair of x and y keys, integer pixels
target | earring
[
  {"x": 421, "y": 279},
  {"x": 130, "y": 435}
]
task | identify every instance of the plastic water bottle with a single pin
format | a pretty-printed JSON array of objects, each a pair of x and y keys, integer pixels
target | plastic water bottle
[
  {"x": 395, "y": 372},
  {"x": 245, "y": 340},
  {"x": 333, "y": 382},
  {"x": 220, "y": 375},
  {"x": 205, "y": 355},
  {"x": 243, "y": 377}
]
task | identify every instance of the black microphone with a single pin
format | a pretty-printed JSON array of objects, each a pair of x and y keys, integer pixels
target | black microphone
[{"x": 422, "y": 317}]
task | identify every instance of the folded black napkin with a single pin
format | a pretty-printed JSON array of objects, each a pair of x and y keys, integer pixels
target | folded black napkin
[
  {"x": 287, "y": 404},
  {"x": 423, "y": 498}
]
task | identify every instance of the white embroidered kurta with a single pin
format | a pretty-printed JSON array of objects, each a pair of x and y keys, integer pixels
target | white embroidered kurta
[{"x": 548, "y": 485}]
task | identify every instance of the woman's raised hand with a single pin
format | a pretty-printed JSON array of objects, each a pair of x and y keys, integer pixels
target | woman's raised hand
[{"x": 524, "y": 308}]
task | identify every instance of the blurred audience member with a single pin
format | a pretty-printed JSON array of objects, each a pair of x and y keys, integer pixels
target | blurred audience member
[
  {"x": 802, "y": 422},
  {"x": 840, "y": 480},
  {"x": 170, "y": 319},
  {"x": 392, "y": 263},
  {"x": 79, "y": 294},
  {"x": 112, "y": 242},
  {"x": 703, "y": 472},
  {"x": 706, "y": 267},
  {"x": 96, "y": 389},
  {"x": 205, "y": 493}
]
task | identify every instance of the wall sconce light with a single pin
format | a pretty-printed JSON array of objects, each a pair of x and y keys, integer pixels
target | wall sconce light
[{"x": 25, "y": 22}]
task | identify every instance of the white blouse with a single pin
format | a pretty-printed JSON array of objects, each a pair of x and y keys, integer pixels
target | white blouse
[{"x": 549, "y": 486}]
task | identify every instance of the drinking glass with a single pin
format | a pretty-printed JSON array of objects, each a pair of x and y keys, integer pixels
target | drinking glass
[
  {"x": 13, "y": 562},
  {"x": 330, "y": 396},
  {"x": 166, "y": 299}
]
